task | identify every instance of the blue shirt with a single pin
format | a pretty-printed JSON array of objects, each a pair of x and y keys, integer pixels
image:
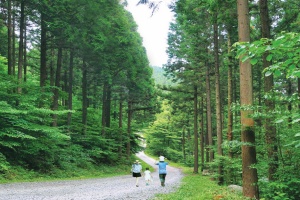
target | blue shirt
[
  {"x": 162, "y": 167},
  {"x": 136, "y": 168}
]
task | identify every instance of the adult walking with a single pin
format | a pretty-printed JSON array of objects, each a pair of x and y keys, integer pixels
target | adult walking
[
  {"x": 162, "y": 170},
  {"x": 136, "y": 171}
]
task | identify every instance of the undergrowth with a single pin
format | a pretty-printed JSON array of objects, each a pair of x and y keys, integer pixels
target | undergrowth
[{"x": 198, "y": 187}]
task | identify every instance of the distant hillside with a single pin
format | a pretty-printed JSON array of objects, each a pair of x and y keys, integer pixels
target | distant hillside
[{"x": 159, "y": 78}]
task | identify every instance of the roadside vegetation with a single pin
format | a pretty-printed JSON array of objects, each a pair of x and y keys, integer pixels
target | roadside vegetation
[{"x": 199, "y": 187}]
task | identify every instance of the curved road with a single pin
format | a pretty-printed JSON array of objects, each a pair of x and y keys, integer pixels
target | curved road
[{"x": 120, "y": 187}]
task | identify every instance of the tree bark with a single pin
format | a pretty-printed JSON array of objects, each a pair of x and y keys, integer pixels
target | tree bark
[
  {"x": 25, "y": 54},
  {"x": 21, "y": 45},
  {"x": 183, "y": 143},
  {"x": 208, "y": 115},
  {"x": 289, "y": 92},
  {"x": 270, "y": 129},
  {"x": 43, "y": 61},
  {"x": 218, "y": 98},
  {"x": 108, "y": 106},
  {"x": 70, "y": 87},
  {"x": 129, "y": 115},
  {"x": 120, "y": 127},
  {"x": 202, "y": 142},
  {"x": 57, "y": 85},
  {"x": 13, "y": 43},
  {"x": 230, "y": 97},
  {"x": 196, "y": 152},
  {"x": 104, "y": 107},
  {"x": 84, "y": 98},
  {"x": 10, "y": 36},
  {"x": 298, "y": 92},
  {"x": 249, "y": 173}
]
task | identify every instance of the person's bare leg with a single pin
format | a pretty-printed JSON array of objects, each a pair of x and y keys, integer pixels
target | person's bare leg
[{"x": 137, "y": 181}]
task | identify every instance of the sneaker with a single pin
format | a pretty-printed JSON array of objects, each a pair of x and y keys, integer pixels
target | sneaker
[{"x": 137, "y": 185}]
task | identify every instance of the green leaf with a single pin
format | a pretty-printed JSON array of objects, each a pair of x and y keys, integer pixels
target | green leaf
[
  {"x": 245, "y": 58},
  {"x": 268, "y": 73},
  {"x": 253, "y": 61},
  {"x": 296, "y": 73},
  {"x": 277, "y": 73},
  {"x": 297, "y": 135},
  {"x": 279, "y": 121},
  {"x": 269, "y": 57}
]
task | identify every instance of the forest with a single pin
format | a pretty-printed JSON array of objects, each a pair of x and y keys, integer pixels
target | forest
[{"x": 77, "y": 90}]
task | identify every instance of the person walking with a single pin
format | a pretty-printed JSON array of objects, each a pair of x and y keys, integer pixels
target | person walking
[
  {"x": 136, "y": 171},
  {"x": 148, "y": 176},
  {"x": 162, "y": 170}
]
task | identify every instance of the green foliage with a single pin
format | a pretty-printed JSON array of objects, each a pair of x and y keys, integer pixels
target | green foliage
[
  {"x": 4, "y": 165},
  {"x": 159, "y": 78},
  {"x": 282, "y": 52}
]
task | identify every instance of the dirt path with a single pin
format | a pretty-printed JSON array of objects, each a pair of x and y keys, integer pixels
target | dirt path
[{"x": 121, "y": 187}]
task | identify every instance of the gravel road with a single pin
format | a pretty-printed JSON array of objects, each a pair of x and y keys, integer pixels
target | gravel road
[{"x": 121, "y": 187}]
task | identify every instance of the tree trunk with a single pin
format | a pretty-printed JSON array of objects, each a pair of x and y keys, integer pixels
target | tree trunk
[
  {"x": 43, "y": 61},
  {"x": 196, "y": 152},
  {"x": 208, "y": 115},
  {"x": 230, "y": 96},
  {"x": 120, "y": 127},
  {"x": 64, "y": 87},
  {"x": 84, "y": 98},
  {"x": 289, "y": 92},
  {"x": 104, "y": 107},
  {"x": 52, "y": 75},
  {"x": 271, "y": 139},
  {"x": 10, "y": 36},
  {"x": 249, "y": 174},
  {"x": 25, "y": 55},
  {"x": 129, "y": 115},
  {"x": 57, "y": 85},
  {"x": 14, "y": 43},
  {"x": 202, "y": 133},
  {"x": 70, "y": 87},
  {"x": 108, "y": 106},
  {"x": 183, "y": 143},
  {"x": 218, "y": 98},
  {"x": 298, "y": 92},
  {"x": 21, "y": 45}
]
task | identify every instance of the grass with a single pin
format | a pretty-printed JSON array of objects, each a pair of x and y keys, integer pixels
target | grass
[
  {"x": 19, "y": 174},
  {"x": 198, "y": 187}
]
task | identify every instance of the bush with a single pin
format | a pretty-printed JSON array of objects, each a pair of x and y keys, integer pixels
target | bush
[
  {"x": 4, "y": 165},
  {"x": 174, "y": 155}
]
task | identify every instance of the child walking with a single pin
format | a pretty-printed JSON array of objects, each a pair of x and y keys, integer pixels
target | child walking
[{"x": 148, "y": 176}]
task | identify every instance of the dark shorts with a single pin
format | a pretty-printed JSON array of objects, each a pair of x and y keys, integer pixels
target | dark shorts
[
  {"x": 162, "y": 176},
  {"x": 136, "y": 174}
]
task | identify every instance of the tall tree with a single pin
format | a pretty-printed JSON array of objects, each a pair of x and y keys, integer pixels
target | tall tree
[
  {"x": 270, "y": 129},
  {"x": 218, "y": 94},
  {"x": 55, "y": 102},
  {"x": 196, "y": 151},
  {"x": 208, "y": 115},
  {"x": 10, "y": 36},
  {"x": 21, "y": 46},
  {"x": 249, "y": 173}
]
